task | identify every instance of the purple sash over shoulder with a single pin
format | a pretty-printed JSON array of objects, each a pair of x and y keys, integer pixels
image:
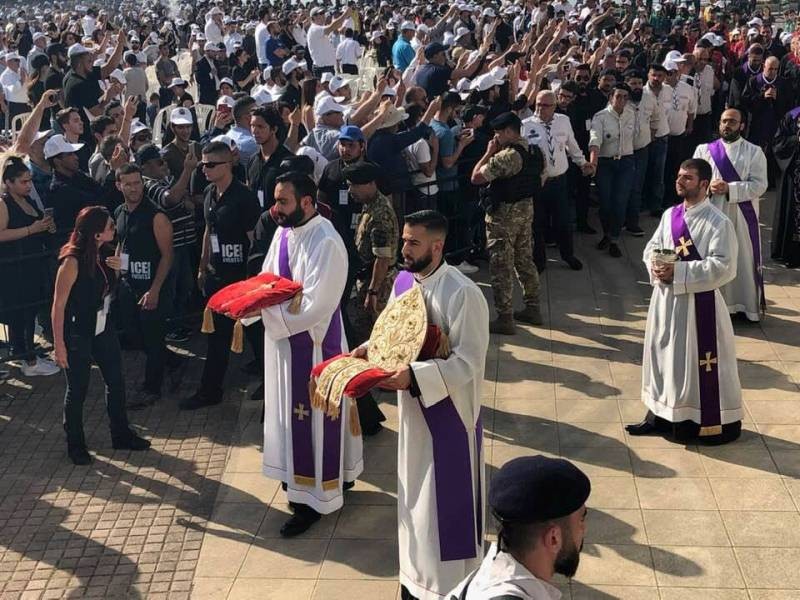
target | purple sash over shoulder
[
  {"x": 705, "y": 316},
  {"x": 302, "y": 348},
  {"x": 459, "y": 511},
  {"x": 730, "y": 175},
  {"x": 794, "y": 113}
]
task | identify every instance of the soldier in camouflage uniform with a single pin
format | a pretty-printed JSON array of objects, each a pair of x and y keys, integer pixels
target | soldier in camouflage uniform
[
  {"x": 513, "y": 174},
  {"x": 377, "y": 235}
]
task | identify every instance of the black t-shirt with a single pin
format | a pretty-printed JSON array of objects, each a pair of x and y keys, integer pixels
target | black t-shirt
[
  {"x": 343, "y": 208},
  {"x": 83, "y": 93},
  {"x": 434, "y": 79},
  {"x": 261, "y": 175},
  {"x": 229, "y": 219},
  {"x": 138, "y": 240}
]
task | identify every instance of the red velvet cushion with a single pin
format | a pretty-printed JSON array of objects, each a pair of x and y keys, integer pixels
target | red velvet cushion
[
  {"x": 364, "y": 382},
  {"x": 243, "y": 297}
]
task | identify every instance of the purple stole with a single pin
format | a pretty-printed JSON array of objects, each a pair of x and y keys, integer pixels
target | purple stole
[
  {"x": 729, "y": 174},
  {"x": 794, "y": 113},
  {"x": 459, "y": 511},
  {"x": 302, "y": 349},
  {"x": 705, "y": 316}
]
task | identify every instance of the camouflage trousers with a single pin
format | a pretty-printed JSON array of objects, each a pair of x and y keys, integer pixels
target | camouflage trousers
[
  {"x": 510, "y": 244},
  {"x": 361, "y": 319}
]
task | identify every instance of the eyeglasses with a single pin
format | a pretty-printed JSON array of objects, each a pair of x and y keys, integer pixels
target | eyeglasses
[{"x": 211, "y": 164}]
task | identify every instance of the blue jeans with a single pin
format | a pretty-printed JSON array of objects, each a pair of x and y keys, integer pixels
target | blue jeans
[
  {"x": 640, "y": 160},
  {"x": 614, "y": 178},
  {"x": 654, "y": 184}
]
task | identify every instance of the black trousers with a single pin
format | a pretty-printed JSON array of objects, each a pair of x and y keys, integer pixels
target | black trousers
[
  {"x": 21, "y": 326},
  {"x": 104, "y": 350},
  {"x": 678, "y": 150},
  {"x": 350, "y": 69},
  {"x": 579, "y": 187},
  {"x": 318, "y": 71},
  {"x": 552, "y": 206},
  {"x": 145, "y": 328},
  {"x": 703, "y": 131},
  {"x": 217, "y": 356}
]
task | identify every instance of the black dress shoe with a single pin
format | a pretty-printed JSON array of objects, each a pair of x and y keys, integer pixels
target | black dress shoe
[
  {"x": 574, "y": 263},
  {"x": 614, "y": 250},
  {"x": 133, "y": 442},
  {"x": 303, "y": 518},
  {"x": 199, "y": 400},
  {"x": 540, "y": 268},
  {"x": 79, "y": 455},
  {"x": 258, "y": 394},
  {"x": 643, "y": 428},
  {"x": 603, "y": 243},
  {"x": 348, "y": 485},
  {"x": 586, "y": 229}
]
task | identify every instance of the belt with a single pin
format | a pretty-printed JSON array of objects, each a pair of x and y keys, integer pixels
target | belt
[{"x": 615, "y": 157}]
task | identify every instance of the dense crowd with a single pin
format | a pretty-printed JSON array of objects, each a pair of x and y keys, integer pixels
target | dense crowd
[{"x": 144, "y": 144}]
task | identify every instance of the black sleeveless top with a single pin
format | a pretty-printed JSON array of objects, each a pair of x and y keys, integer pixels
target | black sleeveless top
[
  {"x": 86, "y": 297},
  {"x": 23, "y": 261}
]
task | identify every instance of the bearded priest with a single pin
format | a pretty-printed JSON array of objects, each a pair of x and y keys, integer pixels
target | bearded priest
[{"x": 690, "y": 382}]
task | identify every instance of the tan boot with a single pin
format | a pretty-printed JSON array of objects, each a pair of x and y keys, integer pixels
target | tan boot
[
  {"x": 503, "y": 325},
  {"x": 530, "y": 315}
]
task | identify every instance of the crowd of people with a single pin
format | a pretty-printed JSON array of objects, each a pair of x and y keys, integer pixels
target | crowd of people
[{"x": 156, "y": 154}]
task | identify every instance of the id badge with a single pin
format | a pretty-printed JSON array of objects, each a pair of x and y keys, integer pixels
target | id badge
[
  {"x": 343, "y": 197},
  {"x": 124, "y": 262},
  {"x": 588, "y": 124},
  {"x": 214, "y": 243},
  {"x": 102, "y": 316},
  {"x": 354, "y": 220},
  {"x": 261, "y": 198}
]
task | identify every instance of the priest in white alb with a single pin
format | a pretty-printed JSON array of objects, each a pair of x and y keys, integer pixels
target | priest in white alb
[
  {"x": 313, "y": 454},
  {"x": 739, "y": 180},
  {"x": 440, "y": 464},
  {"x": 690, "y": 382}
]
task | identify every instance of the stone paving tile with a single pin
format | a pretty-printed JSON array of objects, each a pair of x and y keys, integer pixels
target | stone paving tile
[{"x": 193, "y": 517}]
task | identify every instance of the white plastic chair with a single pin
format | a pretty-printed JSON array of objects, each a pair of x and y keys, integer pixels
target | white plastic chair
[
  {"x": 205, "y": 116},
  {"x": 17, "y": 123}
]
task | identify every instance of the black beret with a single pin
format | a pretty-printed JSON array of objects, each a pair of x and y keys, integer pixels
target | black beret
[
  {"x": 361, "y": 172},
  {"x": 507, "y": 119},
  {"x": 533, "y": 489}
]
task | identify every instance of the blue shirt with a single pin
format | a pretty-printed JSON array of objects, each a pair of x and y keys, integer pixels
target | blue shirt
[
  {"x": 447, "y": 177},
  {"x": 245, "y": 142},
  {"x": 273, "y": 44},
  {"x": 402, "y": 54},
  {"x": 386, "y": 150}
]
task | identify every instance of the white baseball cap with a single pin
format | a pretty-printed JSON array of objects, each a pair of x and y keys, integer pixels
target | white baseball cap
[
  {"x": 13, "y": 56},
  {"x": 59, "y": 145},
  {"x": 39, "y": 36},
  {"x": 337, "y": 82},
  {"x": 327, "y": 76},
  {"x": 328, "y": 105},
  {"x": 485, "y": 82},
  {"x": 77, "y": 49},
  {"x": 226, "y": 101},
  {"x": 675, "y": 56},
  {"x": 408, "y": 25},
  {"x": 137, "y": 127},
  {"x": 210, "y": 47},
  {"x": 262, "y": 96},
  {"x": 177, "y": 81},
  {"x": 227, "y": 140},
  {"x": 119, "y": 76},
  {"x": 290, "y": 65},
  {"x": 227, "y": 80},
  {"x": 181, "y": 116}
]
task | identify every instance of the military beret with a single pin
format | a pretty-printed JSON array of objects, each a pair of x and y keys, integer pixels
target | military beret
[
  {"x": 362, "y": 172},
  {"x": 507, "y": 119},
  {"x": 534, "y": 489}
]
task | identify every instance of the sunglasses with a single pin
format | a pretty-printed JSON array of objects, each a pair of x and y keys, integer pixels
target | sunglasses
[
  {"x": 211, "y": 164},
  {"x": 143, "y": 137}
]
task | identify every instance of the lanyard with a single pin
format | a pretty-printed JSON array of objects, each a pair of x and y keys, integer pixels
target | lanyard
[{"x": 551, "y": 148}]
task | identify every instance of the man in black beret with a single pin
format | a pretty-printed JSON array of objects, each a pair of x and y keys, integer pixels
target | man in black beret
[{"x": 540, "y": 505}]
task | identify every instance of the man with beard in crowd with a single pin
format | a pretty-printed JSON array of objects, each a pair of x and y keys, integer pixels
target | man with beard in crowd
[{"x": 540, "y": 505}]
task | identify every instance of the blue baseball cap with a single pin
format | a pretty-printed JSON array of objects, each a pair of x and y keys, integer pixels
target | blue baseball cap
[{"x": 351, "y": 133}]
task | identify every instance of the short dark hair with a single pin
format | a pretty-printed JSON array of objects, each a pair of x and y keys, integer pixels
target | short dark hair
[
  {"x": 107, "y": 145},
  {"x": 657, "y": 67},
  {"x": 634, "y": 74},
  {"x": 270, "y": 115},
  {"x": 699, "y": 165},
  {"x": 571, "y": 86},
  {"x": 583, "y": 67},
  {"x": 127, "y": 169},
  {"x": 241, "y": 106},
  {"x": 99, "y": 125},
  {"x": 303, "y": 184},
  {"x": 431, "y": 220},
  {"x": 62, "y": 116},
  {"x": 522, "y": 537},
  {"x": 218, "y": 148}
]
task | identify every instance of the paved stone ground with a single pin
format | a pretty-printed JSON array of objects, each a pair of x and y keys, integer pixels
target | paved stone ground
[{"x": 193, "y": 517}]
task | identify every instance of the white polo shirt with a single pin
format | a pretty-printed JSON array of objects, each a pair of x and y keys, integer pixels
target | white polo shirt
[
  {"x": 683, "y": 102},
  {"x": 555, "y": 139},
  {"x": 320, "y": 47}
]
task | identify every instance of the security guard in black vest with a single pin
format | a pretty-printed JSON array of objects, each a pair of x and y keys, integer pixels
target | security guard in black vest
[
  {"x": 145, "y": 250},
  {"x": 231, "y": 211}
]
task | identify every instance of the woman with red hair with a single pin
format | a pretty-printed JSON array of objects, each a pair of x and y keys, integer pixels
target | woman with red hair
[{"x": 81, "y": 330}]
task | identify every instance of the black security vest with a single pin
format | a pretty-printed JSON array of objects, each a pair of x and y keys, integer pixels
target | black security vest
[
  {"x": 524, "y": 185},
  {"x": 138, "y": 241}
]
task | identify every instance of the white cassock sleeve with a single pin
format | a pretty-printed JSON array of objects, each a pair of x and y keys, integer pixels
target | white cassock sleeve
[
  {"x": 655, "y": 243},
  {"x": 753, "y": 185},
  {"x": 468, "y": 317},
  {"x": 717, "y": 267},
  {"x": 324, "y": 278}
]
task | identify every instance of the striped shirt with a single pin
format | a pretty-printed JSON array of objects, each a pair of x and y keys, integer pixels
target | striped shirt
[{"x": 183, "y": 230}]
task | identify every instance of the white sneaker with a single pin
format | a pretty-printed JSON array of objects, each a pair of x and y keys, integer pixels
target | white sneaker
[
  {"x": 466, "y": 268},
  {"x": 42, "y": 367}
]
